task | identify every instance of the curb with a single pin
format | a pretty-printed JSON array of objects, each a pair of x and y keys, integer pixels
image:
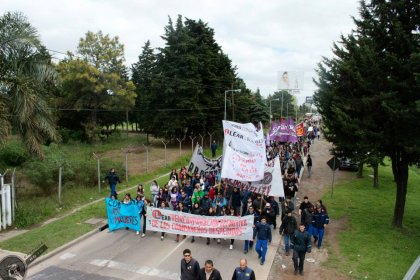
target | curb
[{"x": 64, "y": 247}]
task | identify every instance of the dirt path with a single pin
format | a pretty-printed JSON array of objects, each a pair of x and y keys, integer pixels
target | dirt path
[{"x": 314, "y": 188}]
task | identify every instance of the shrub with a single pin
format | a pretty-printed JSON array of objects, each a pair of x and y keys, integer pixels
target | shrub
[{"x": 13, "y": 153}]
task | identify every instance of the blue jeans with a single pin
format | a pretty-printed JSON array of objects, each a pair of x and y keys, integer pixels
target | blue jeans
[
  {"x": 248, "y": 243},
  {"x": 318, "y": 233},
  {"x": 286, "y": 242},
  {"x": 261, "y": 248},
  {"x": 113, "y": 186}
]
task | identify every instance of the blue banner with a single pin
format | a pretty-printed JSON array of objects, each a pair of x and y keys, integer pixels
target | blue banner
[{"x": 122, "y": 215}]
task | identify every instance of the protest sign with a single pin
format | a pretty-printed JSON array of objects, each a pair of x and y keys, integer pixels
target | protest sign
[
  {"x": 176, "y": 222},
  {"x": 271, "y": 185},
  {"x": 203, "y": 165},
  {"x": 122, "y": 215},
  {"x": 244, "y": 152}
]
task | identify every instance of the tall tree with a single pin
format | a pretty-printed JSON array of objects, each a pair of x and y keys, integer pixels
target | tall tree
[
  {"x": 370, "y": 90},
  {"x": 94, "y": 82},
  {"x": 143, "y": 74},
  {"x": 24, "y": 70}
]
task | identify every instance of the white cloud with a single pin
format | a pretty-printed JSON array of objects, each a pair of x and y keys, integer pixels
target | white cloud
[{"x": 261, "y": 37}]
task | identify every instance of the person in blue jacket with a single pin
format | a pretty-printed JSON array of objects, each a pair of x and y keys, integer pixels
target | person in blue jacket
[
  {"x": 263, "y": 232},
  {"x": 319, "y": 220}
]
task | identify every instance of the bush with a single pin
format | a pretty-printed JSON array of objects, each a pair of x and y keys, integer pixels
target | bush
[
  {"x": 75, "y": 172},
  {"x": 13, "y": 153}
]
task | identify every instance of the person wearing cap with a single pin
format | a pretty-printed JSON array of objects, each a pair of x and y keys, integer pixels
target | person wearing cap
[
  {"x": 263, "y": 232},
  {"x": 269, "y": 213}
]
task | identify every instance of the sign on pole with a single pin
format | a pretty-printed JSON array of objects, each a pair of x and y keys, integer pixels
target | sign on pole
[{"x": 334, "y": 164}]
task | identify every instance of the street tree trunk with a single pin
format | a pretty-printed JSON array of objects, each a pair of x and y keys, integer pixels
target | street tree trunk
[
  {"x": 375, "y": 175},
  {"x": 400, "y": 168},
  {"x": 360, "y": 171}
]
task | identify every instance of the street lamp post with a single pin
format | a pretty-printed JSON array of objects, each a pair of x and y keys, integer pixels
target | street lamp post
[
  {"x": 226, "y": 91},
  {"x": 270, "y": 108}
]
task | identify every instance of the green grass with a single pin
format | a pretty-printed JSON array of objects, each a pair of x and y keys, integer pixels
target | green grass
[
  {"x": 369, "y": 245},
  {"x": 62, "y": 231}
]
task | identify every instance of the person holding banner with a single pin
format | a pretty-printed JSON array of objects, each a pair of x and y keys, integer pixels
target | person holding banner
[
  {"x": 165, "y": 206},
  {"x": 263, "y": 232},
  {"x": 140, "y": 206},
  {"x": 190, "y": 268}
]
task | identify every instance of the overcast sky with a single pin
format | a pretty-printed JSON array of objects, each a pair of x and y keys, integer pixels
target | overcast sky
[{"x": 260, "y": 37}]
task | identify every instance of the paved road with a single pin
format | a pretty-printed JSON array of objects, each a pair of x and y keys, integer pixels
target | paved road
[{"x": 123, "y": 255}]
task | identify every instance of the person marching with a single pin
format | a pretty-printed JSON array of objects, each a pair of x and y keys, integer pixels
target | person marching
[
  {"x": 190, "y": 268},
  {"x": 301, "y": 243},
  {"x": 243, "y": 272},
  {"x": 263, "y": 231}
]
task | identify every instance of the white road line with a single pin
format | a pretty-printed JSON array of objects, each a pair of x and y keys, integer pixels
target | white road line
[
  {"x": 67, "y": 256},
  {"x": 173, "y": 250},
  {"x": 144, "y": 270}
]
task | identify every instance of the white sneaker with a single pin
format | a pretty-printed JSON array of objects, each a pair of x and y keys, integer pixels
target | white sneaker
[
  {"x": 137, "y": 232},
  {"x": 161, "y": 238},
  {"x": 143, "y": 235},
  {"x": 230, "y": 247},
  {"x": 218, "y": 241}
]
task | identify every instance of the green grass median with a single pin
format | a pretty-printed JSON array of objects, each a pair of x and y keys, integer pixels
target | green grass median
[{"x": 370, "y": 248}]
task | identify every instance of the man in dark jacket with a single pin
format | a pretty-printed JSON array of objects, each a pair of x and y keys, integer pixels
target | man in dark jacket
[
  {"x": 301, "y": 242},
  {"x": 236, "y": 201},
  {"x": 208, "y": 272},
  {"x": 275, "y": 207},
  {"x": 268, "y": 211},
  {"x": 189, "y": 266},
  {"x": 113, "y": 179},
  {"x": 249, "y": 243},
  {"x": 319, "y": 220},
  {"x": 243, "y": 272},
  {"x": 287, "y": 228},
  {"x": 263, "y": 232}
]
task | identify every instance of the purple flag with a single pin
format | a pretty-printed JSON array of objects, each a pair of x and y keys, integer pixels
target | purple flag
[{"x": 283, "y": 131}]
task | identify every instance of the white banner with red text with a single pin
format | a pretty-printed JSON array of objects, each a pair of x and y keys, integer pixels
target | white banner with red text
[
  {"x": 244, "y": 152},
  {"x": 176, "y": 222},
  {"x": 271, "y": 185}
]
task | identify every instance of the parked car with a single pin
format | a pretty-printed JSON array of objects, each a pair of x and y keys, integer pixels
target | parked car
[{"x": 348, "y": 164}]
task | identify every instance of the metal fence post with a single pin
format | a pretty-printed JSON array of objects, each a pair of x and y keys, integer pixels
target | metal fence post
[
  {"x": 59, "y": 185},
  {"x": 13, "y": 198},
  {"x": 180, "y": 142},
  {"x": 202, "y": 140},
  {"x": 126, "y": 166},
  {"x": 192, "y": 143},
  {"x": 147, "y": 157},
  {"x": 165, "y": 143},
  {"x": 99, "y": 175},
  {"x": 210, "y": 134}
]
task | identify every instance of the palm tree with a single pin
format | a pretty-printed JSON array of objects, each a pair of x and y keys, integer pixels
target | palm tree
[{"x": 24, "y": 69}]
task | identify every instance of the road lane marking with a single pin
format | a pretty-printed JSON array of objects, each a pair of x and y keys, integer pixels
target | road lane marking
[
  {"x": 67, "y": 256},
  {"x": 144, "y": 270}
]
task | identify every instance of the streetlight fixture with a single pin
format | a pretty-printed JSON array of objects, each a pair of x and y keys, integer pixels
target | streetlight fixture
[{"x": 226, "y": 91}]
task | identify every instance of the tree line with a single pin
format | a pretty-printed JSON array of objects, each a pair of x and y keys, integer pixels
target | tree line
[
  {"x": 171, "y": 92},
  {"x": 368, "y": 92}
]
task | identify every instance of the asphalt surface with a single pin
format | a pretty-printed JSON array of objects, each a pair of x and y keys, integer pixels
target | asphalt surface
[{"x": 124, "y": 255}]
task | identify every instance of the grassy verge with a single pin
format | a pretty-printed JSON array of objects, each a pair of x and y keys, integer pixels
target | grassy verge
[{"x": 370, "y": 248}]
